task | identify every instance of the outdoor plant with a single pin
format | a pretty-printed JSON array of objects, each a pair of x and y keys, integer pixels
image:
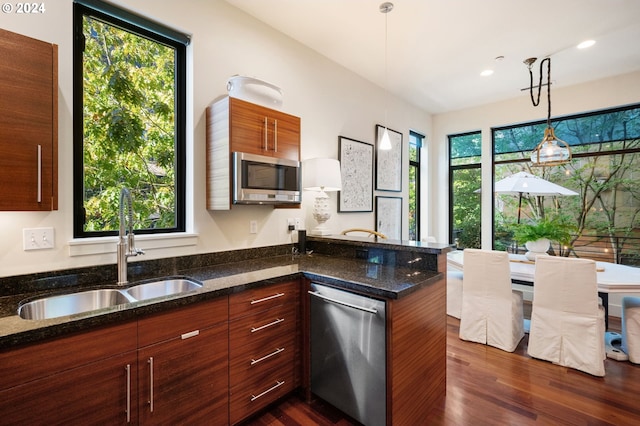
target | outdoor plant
[{"x": 555, "y": 229}]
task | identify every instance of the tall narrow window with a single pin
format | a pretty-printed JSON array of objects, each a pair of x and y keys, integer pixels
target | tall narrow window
[
  {"x": 464, "y": 184},
  {"x": 129, "y": 120},
  {"x": 415, "y": 143}
]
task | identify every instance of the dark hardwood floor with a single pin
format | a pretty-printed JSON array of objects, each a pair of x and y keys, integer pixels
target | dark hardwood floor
[{"x": 487, "y": 386}]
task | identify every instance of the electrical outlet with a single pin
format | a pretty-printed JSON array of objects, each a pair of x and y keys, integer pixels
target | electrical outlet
[
  {"x": 253, "y": 227},
  {"x": 38, "y": 238},
  {"x": 291, "y": 224}
]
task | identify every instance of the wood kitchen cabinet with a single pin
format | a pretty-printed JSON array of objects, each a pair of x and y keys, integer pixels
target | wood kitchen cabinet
[
  {"x": 87, "y": 378},
  {"x": 183, "y": 365},
  {"x": 234, "y": 125},
  {"x": 28, "y": 123},
  {"x": 264, "y": 348}
]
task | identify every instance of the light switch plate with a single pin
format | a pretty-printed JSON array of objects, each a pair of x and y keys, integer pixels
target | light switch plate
[{"x": 38, "y": 238}]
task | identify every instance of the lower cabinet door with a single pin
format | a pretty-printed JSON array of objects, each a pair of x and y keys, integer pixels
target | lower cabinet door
[
  {"x": 100, "y": 393},
  {"x": 185, "y": 380}
]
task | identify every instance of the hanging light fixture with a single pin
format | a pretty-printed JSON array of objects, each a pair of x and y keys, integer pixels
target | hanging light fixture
[
  {"x": 552, "y": 151},
  {"x": 385, "y": 142}
]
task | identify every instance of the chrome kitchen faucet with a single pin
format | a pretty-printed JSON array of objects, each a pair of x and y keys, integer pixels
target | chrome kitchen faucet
[{"x": 126, "y": 247}]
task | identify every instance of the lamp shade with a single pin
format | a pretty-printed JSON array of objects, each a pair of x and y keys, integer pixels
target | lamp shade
[{"x": 321, "y": 174}]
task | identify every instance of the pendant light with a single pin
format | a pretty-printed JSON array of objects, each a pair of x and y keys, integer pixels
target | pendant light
[
  {"x": 551, "y": 151},
  {"x": 385, "y": 142}
]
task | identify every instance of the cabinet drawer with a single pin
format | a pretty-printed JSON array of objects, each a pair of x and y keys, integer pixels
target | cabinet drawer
[
  {"x": 245, "y": 401},
  {"x": 253, "y": 363},
  {"x": 260, "y": 299},
  {"x": 262, "y": 327},
  {"x": 175, "y": 323}
]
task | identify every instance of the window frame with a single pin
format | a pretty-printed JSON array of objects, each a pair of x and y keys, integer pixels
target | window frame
[
  {"x": 419, "y": 138},
  {"x": 143, "y": 27}
]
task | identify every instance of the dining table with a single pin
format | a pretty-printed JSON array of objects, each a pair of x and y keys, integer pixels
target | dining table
[{"x": 612, "y": 277}]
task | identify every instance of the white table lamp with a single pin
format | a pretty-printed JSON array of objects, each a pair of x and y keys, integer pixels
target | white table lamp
[{"x": 321, "y": 175}]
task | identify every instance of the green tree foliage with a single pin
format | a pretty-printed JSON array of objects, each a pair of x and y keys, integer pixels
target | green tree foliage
[{"x": 129, "y": 127}]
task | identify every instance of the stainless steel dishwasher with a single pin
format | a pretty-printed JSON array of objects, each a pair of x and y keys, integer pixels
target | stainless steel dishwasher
[{"x": 348, "y": 362}]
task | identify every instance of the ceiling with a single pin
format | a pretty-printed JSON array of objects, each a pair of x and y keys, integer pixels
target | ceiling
[{"x": 436, "y": 49}]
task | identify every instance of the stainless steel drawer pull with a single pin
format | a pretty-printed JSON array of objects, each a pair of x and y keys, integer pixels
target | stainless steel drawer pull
[
  {"x": 275, "y": 135},
  {"x": 276, "y": 352},
  {"x": 340, "y": 302},
  {"x": 193, "y": 333},
  {"x": 266, "y": 133},
  {"x": 128, "y": 370},
  {"x": 150, "y": 384},
  {"x": 39, "y": 194},
  {"x": 274, "y": 387},
  {"x": 275, "y": 296},
  {"x": 262, "y": 327}
]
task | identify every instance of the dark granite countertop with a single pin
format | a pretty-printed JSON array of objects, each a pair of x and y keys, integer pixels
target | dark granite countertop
[{"x": 361, "y": 275}]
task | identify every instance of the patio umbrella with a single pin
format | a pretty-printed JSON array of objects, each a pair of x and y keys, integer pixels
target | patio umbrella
[{"x": 525, "y": 183}]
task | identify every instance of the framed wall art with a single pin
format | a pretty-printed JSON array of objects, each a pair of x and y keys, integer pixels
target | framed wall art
[
  {"x": 389, "y": 162},
  {"x": 389, "y": 217},
  {"x": 356, "y": 168}
]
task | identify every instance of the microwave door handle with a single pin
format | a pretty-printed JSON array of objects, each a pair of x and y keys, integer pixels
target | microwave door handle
[
  {"x": 266, "y": 133},
  {"x": 275, "y": 135}
]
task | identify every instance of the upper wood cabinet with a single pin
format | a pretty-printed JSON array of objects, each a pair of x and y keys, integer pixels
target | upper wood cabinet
[
  {"x": 28, "y": 123},
  {"x": 234, "y": 125}
]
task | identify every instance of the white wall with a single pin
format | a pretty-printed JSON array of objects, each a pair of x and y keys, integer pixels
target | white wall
[
  {"x": 330, "y": 100},
  {"x": 601, "y": 94}
]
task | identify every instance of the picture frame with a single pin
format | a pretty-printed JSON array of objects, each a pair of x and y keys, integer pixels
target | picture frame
[
  {"x": 389, "y": 216},
  {"x": 356, "y": 168},
  {"x": 389, "y": 162}
]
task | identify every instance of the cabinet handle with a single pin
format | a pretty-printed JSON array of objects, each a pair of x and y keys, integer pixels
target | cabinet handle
[
  {"x": 266, "y": 134},
  {"x": 264, "y": 299},
  {"x": 275, "y": 135},
  {"x": 276, "y": 352},
  {"x": 150, "y": 384},
  {"x": 128, "y": 411},
  {"x": 274, "y": 387},
  {"x": 278, "y": 321},
  {"x": 193, "y": 333},
  {"x": 39, "y": 196}
]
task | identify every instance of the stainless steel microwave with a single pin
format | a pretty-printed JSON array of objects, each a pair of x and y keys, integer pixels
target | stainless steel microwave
[{"x": 258, "y": 179}]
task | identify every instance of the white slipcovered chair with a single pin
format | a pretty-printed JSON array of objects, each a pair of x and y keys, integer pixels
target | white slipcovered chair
[
  {"x": 454, "y": 293},
  {"x": 491, "y": 310},
  {"x": 631, "y": 328},
  {"x": 567, "y": 320}
]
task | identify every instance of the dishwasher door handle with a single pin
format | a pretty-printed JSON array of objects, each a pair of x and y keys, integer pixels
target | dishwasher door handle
[{"x": 340, "y": 302}]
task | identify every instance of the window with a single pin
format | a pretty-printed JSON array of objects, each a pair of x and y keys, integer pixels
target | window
[
  {"x": 604, "y": 172},
  {"x": 415, "y": 143},
  {"x": 464, "y": 185},
  {"x": 129, "y": 120}
]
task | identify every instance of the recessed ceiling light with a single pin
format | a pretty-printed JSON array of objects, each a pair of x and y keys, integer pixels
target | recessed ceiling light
[
  {"x": 586, "y": 43},
  {"x": 486, "y": 73}
]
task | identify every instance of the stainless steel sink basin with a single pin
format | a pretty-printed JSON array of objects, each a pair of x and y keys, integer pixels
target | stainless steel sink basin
[
  {"x": 73, "y": 303},
  {"x": 162, "y": 288}
]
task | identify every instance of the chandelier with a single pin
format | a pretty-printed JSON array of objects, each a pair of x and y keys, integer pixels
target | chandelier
[{"x": 551, "y": 151}]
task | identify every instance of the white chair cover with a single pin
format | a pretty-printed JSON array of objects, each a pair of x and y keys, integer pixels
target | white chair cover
[
  {"x": 454, "y": 293},
  {"x": 491, "y": 310},
  {"x": 631, "y": 328},
  {"x": 567, "y": 321}
]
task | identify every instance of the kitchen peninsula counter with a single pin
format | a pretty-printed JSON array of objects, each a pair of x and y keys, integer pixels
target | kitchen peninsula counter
[{"x": 381, "y": 272}]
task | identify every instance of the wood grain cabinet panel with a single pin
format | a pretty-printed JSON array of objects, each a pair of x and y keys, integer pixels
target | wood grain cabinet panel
[
  {"x": 28, "y": 123},
  {"x": 183, "y": 372},
  {"x": 264, "y": 347},
  {"x": 234, "y": 125},
  {"x": 86, "y": 378}
]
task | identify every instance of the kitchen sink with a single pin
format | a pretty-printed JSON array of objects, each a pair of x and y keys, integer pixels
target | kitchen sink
[
  {"x": 73, "y": 303},
  {"x": 92, "y": 300},
  {"x": 162, "y": 288}
]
